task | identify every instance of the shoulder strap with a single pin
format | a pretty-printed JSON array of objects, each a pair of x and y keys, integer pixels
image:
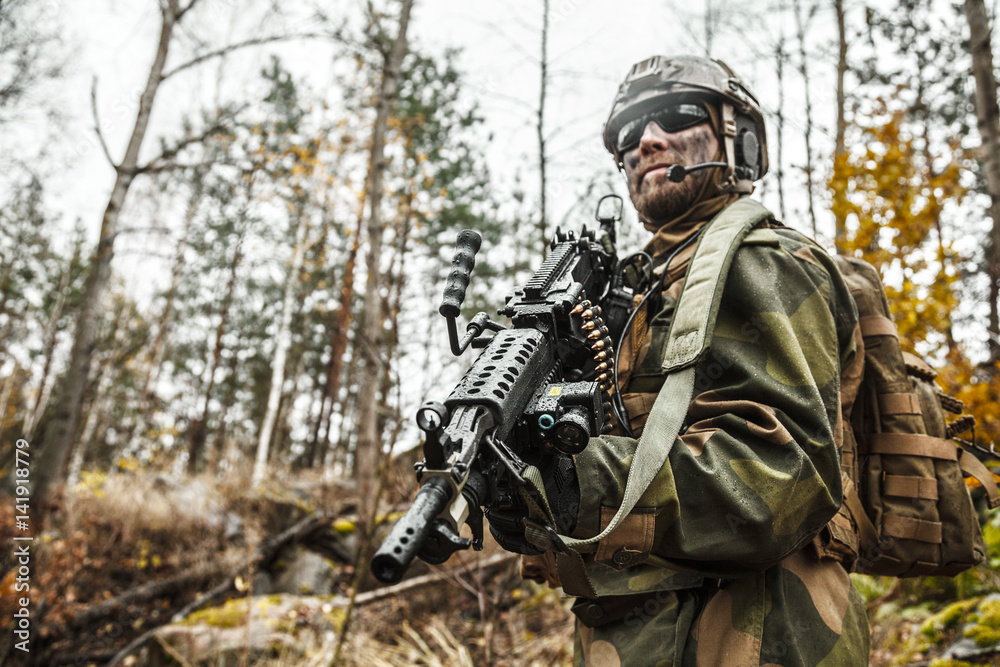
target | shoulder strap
[
  {"x": 689, "y": 338},
  {"x": 698, "y": 306}
]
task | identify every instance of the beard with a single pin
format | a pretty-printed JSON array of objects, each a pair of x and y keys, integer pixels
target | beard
[{"x": 659, "y": 200}]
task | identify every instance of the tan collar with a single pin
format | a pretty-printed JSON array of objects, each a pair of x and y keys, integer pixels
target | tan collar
[{"x": 672, "y": 234}]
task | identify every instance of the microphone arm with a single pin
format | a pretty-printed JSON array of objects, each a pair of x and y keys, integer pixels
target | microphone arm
[{"x": 678, "y": 172}]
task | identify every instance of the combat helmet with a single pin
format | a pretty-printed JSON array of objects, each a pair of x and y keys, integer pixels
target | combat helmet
[{"x": 658, "y": 80}]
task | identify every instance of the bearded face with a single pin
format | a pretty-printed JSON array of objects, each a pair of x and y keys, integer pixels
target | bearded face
[{"x": 658, "y": 199}]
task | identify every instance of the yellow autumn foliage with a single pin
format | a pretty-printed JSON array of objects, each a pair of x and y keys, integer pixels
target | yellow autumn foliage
[{"x": 893, "y": 191}]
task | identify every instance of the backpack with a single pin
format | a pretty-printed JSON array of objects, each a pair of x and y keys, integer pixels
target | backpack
[{"x": 907, "y": 510}]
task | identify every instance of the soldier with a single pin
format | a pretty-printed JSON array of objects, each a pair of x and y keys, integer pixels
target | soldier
[{"x": 723, "y": 559}]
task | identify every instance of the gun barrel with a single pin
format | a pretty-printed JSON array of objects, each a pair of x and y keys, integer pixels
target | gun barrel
[{"x": 408, "y": 535}]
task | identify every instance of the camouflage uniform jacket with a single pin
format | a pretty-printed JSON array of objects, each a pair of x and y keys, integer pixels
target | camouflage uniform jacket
[{"x": 714, "y": 566}]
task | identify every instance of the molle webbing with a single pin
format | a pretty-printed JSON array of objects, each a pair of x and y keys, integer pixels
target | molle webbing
[
  {"x": 877, "y": 325},
  {"x": 912, "y": 444},
  {"x": 908, "y": 498},
  {"x": 909, "y": 528},
  {"x": 899, "y": 404},
  {"x": 910, "y": 486}
]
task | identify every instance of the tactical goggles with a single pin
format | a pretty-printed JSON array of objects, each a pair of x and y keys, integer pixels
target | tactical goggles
[{"x": 672, "y": 118}]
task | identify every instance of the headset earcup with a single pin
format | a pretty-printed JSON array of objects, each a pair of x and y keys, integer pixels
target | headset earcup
[{"x": 747, "y": 148}]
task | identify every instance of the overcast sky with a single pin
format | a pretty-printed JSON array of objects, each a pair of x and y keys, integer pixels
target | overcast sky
[{"x": 592, "y": 45}]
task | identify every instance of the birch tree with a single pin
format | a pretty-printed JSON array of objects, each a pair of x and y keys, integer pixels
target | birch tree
[
  {"x": 988, "y": 118},
  {"x": 199, "y": 429},
  {"x": 840, "y": 148},
  {"x": 59, "y": 436},
  {"x": 801, "y": 33},
  {"x": 543, "y": 68},
  {"x": 58, "y": 440},
  {"x": 369, "y": 443},
  {"x": 63, "y": 302},
  {"x": 283, "y": 341}
]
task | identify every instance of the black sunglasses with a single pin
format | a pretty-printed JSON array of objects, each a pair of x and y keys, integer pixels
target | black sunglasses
[{"x": 673, "y": 118}]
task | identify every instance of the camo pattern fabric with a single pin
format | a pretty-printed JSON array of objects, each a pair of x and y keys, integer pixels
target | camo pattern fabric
[
  {"x": 715, "y": 566},
  {"x": 801, "y": 612}
]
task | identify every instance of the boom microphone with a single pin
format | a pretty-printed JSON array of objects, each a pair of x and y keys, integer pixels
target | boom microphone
[{"x": 678, "y": 172}]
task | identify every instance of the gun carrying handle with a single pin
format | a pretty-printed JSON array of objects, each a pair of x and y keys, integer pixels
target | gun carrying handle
[{"x": 462, "y": 263}]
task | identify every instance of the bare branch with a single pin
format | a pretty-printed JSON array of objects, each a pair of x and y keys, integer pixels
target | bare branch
[
  {"x": 184, "y": 10},
  {"x": 256, "y": 41},
  {"x": 511, "y": 98},
  {"x": 162, "y": 162},
  {"x": 435, "y": 577},
  {"x": 97, "y": 123},
  {"x": 513, "y": 43},
  {"x": 172, "y": 166}
]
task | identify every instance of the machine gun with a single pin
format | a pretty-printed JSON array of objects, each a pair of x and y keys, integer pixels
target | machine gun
[{"x": 542, "y": 383}]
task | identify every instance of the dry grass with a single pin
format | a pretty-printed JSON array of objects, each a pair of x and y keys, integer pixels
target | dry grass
[
  {"x": 528, "y": 626},
  {"x": 119, "y": 532},
  {"x": 123, "y": 511}
]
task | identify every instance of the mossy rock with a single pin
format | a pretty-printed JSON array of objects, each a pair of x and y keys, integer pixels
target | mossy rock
[
  {"x": 922, "y": 633},
  {"x": 940, "y": 625},
  {"x": 984, "y": 626},
  {"x": 289, "y": 626},
  {"x": 229, "y": 615},
  {"x": 962, "y": 633}
]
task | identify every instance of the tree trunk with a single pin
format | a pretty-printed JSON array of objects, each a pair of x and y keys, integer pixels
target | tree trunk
[
  {"x": 5, "y": 394},
  {"x": 393, "y": 306},
  {"x": 540, "y": 130},
  {"x": 780, "y": 122},
  {"x": 988, "y": 116},
  {"x": 99, "y": 386},
  {"x": 199, "y": 430},
  {"x": 52, "y": 457},
  {"x": 221, "y": 432},
  {"x": 840, "y": 149},
  {"x": 98, "y": 406},
  {"x": 338, "y": 343},
  {"x": 922, "y": 110},
  {"x": 305, "y": 459},
  {"x": 344, "y": 404},
  {"x": 282, "y": 342},
  {"x": 709, "y": 28},
  {"x": 283, "y": 440},
  {"x": 804, "y": 71},
  {"x": 156, "y": 349},
  {"x": 308, "y": 455},
  {"x": 369, "y": 443},
  {"x": 48, "y": 350}
]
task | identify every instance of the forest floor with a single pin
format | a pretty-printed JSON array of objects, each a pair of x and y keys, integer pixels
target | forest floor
[{"x": 210, "y": 572}]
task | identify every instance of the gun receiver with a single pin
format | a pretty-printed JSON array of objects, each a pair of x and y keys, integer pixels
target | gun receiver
[{"x": 537, "y": 387}]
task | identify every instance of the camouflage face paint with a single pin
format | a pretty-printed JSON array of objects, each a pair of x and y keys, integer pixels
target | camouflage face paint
[{"x": 656, "y": 197}]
